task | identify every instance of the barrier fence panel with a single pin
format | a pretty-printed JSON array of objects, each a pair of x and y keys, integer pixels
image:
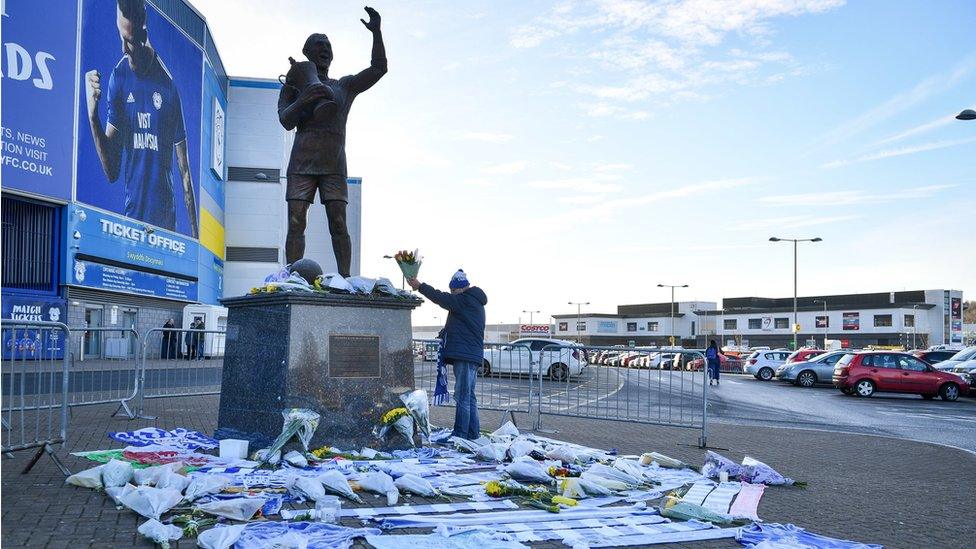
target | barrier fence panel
[
  {"x": 655, "y": 386},
  {"x": 34, "y": 385},
  {"x": 104, "y": 365},
  {"x": 178, "y": 362},
  {"x": 505, "y": 377}
]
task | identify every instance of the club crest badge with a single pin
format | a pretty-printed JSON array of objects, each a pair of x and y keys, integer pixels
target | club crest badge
[{"x": 157, "y": 100}]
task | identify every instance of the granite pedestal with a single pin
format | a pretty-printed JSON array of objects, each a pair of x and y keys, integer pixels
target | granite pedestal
[{"x": 346, "y": 357}]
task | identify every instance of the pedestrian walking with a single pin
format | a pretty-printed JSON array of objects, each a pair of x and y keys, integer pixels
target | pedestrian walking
[
  {"x": 463, "y": 345},
  {"x": 713, "y": 358},
  {"x": 201, "y": 338}
]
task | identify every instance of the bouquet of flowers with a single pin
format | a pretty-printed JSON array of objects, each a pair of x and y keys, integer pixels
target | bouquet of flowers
[
  {"x": 409, "y": 262},
  {"x": 398, "y": 419},
  {"x": 538, "y": 497}
]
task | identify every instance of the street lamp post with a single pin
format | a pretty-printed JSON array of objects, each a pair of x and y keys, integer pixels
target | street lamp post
[
  {"x": 826, "y": 320},
  {"x": 530, "y": 315},
  {"x": 672, "y": 286},
  {"x": 579, "y": 307},
  {"x": 795, "y": 241},
  {"x": 914, "y": 325}
]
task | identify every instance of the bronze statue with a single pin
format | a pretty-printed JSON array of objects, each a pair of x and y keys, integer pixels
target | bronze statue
[{"x": 318, "y": 106}]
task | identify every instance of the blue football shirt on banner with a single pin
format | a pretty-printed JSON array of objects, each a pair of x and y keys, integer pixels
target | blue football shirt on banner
[{"x": 146, "y": 110}]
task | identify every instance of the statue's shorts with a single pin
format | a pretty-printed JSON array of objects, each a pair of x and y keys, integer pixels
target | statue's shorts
[{"x": 302, "y": 186}]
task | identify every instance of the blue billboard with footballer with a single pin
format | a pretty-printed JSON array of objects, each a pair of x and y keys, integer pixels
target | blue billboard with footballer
[
  {"x": 38, "y": 81},
  {"x": 139, "y": 116}
]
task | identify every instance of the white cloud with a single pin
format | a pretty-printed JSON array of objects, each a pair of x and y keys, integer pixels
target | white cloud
[
  {"x": 792, "y": 222},
  {"x": 580, "y": 199},
  {"x": 852, "y": 197},
  {"x": 561, "y": 166},
  {"x": 507, "y": 168},
  {"x": 488, "y": 137},
  {"x": 577, "y": 184},
  {"x": 922, "y": 128},
  {"x": 620, "y": 166},
  {"x": 897, "y": 103},
  {"x": 890, "y": 153}
]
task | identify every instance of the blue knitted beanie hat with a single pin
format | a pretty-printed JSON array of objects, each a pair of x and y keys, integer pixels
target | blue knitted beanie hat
[{"x": 459, "y": 280}]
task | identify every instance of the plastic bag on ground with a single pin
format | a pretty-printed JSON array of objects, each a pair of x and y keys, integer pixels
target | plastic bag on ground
[
  {"x": 716, "y": 464},
  {"x": 116, "y": 473},
  {"x": 306, "y": 488},
  {"x": 418, "y": 405},
  {"x": 507, "y": 430},
  {"x": 580, "y": 487},
  {"x": 610, "y": 484},
  {"x": 160, "y": 533},
  {"x": 465, "y": 445},
  {"x": 203, "y": 485},
  {"x": 415, "y": 485},
  {"x": 151, "y": 502},
  {"x": 665, "y": 461},
  {"x": 613, "y": 473},
  {"x": 529, "y": 470},
  {"x": 492, "y": 452},
  {"x": 116, "y": 492},
  {"x": 150, "y": 475},
  {"x": 757, "y": 472},
  {"x": 172, "y": 480},
  {"x": 564, "y": 454},
  {"x": 220, "y": 537},
  {"x": 630, "y": 467},
  {"x": 379, "y": 482},
  {"x": 296, "y": 458},
  {"x": 335, "y": 482},
  {"x": 521, "y": 447},
  {"x": 89, "y": 478},
  {"x": 234, "y": 509}
]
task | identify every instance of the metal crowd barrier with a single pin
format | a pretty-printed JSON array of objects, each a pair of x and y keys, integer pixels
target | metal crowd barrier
[
  {"x": 507, "y": 378},
  {"x": 35, "y": 381},
  {"x": 104, "y": 367},
  {"x": 658, "y": 390},
  {"x": 180, "y": 362}
]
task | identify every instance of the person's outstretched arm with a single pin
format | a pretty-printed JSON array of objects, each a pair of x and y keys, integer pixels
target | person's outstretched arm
[
  {"x": 443, "y": 299},
  {"x": 377, "y": 65}
]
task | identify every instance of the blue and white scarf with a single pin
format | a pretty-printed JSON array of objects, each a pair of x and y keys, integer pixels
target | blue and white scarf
[{"x": 442, "y": 396}]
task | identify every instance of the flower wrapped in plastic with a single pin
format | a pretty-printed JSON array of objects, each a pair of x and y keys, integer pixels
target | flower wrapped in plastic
[
  {"x": 298, "y": 422},
  {"x": 398, "y": 419},
  {"x": 416, "y": 403},
  {"x": 716, "y": 464},
  {"x": 409, "y": 262},
  {"x": 757, "y": 472}
]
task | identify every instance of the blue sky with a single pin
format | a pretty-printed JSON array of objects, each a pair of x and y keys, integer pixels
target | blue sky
[{"x": 586, "y": 151}]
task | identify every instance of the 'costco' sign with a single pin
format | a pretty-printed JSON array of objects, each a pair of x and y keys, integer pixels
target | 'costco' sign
[{"x": 534, "y": 330}]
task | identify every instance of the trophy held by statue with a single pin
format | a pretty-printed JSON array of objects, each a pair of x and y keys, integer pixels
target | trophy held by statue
[{"x": 303, "y": 77}]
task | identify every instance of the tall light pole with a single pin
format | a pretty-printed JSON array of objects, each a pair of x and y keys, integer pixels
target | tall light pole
[
  {"x": 579, "y": 307},
  {"x": 795, "y": 241},
  {"x": 672, "y": 286},
  {"x": 826, "y": 320},
  {"x": 530, "y": 315},
  {"x": 966, "y": 114},
  {"x": 914, "y": 324}
]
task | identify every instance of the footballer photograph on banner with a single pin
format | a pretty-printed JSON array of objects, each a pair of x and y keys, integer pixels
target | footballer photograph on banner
[{"x": 139, "y": 116}]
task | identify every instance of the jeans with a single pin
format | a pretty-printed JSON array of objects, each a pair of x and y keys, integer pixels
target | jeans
[
  {"x": 466, "y": 423},
  {"x": 713, "y": 369}
]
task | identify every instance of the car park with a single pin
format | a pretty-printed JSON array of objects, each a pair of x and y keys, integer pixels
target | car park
[
  {"x": 763, "y": 364},
  {"x": 727, "y": 364},
  {"x": 866, "y": 373},
  {"x": 969, "y": 353},
  {"x": 818, "y": 369},
  {"x": 561, "y": 360}
]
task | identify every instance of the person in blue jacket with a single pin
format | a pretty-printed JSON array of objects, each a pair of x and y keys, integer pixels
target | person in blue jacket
[
  {"x": 464, "y": 342},
  {"x": 714, "y": 362}
]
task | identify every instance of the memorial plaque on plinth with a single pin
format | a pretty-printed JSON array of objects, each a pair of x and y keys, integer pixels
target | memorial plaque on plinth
[{"x": 347, "y": 357}]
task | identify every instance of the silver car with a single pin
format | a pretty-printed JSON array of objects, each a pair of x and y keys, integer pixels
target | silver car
[{"x": 808, "y": 373}]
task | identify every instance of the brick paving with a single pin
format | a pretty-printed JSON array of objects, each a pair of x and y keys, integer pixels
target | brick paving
[{"x": 870, "y": 489}]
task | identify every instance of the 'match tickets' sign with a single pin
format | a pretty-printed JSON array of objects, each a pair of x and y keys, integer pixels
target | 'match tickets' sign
[{"x": 528, "y": 330}]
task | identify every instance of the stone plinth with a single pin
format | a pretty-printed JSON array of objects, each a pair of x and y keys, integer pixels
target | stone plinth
[{"x": 346, "y": 357}]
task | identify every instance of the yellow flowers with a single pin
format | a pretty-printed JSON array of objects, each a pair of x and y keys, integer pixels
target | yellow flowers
[
  {"x": 403, "y": 256},
  {"x": 322, "y": 452},
  {"x": 393, "y": 415}
]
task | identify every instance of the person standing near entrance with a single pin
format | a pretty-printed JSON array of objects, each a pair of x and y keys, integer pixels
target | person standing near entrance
[
  {"x": 201, "y": 338},
  {"x": 171, "y": 340},
  {"x": 464, "y": 343},
  {"x": 713, "y": 358}
]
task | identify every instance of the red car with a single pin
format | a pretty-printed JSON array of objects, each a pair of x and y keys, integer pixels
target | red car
[
  {"x": 804, "y": 355},
  {"x": 863, "y": 374},
  {"x": 726, "y": 364}
]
